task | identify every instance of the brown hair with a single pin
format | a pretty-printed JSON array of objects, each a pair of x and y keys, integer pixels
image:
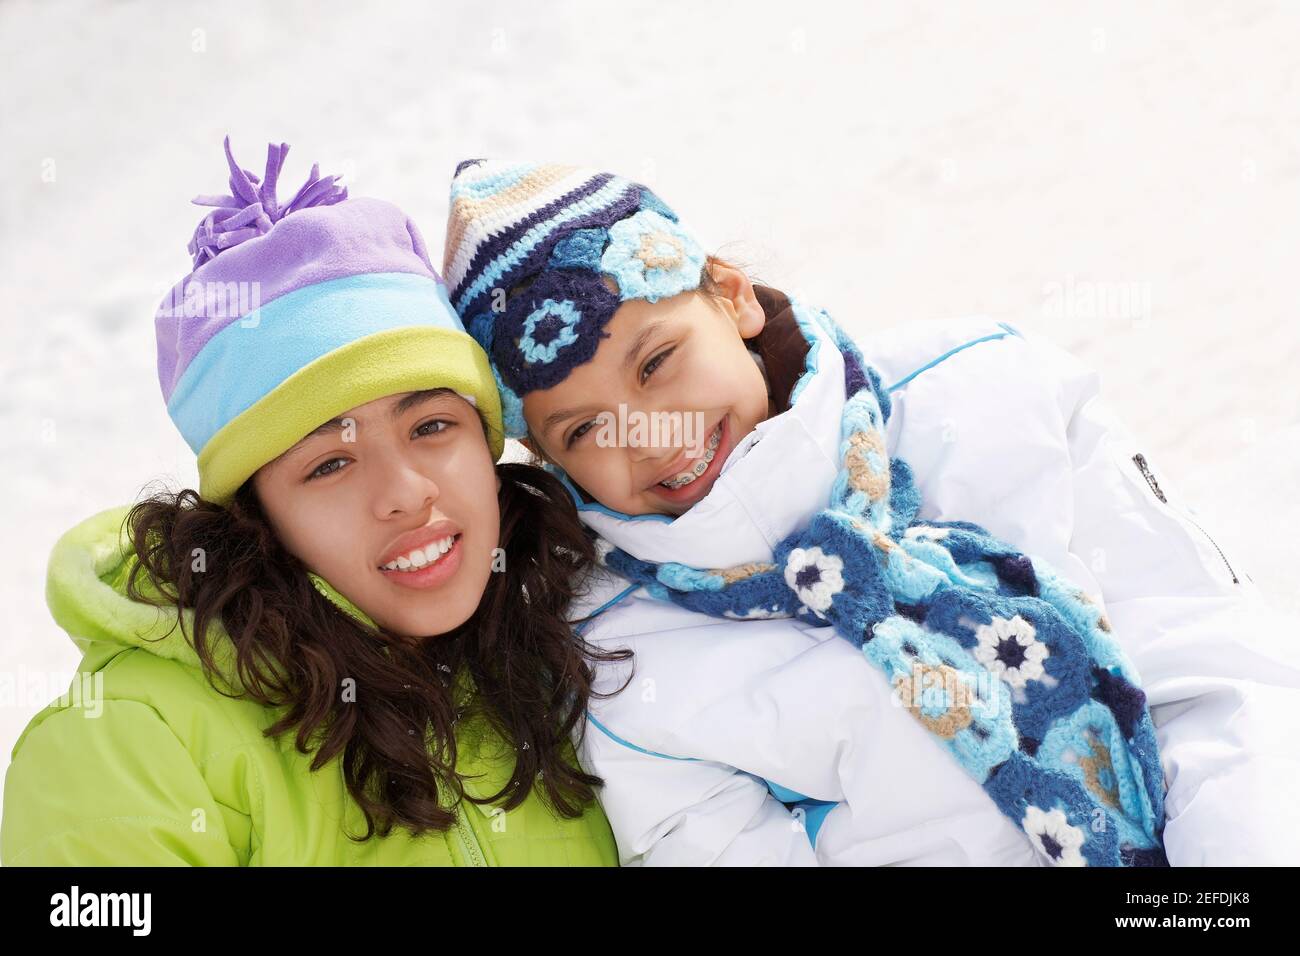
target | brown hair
[{"x": 293, "y": 649}]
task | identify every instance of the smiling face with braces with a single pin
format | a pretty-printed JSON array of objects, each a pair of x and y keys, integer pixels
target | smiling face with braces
[{"x": 683, "y": 356}]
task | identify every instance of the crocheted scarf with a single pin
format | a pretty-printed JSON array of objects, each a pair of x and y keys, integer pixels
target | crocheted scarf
[{"x": 1010, "y": 667}]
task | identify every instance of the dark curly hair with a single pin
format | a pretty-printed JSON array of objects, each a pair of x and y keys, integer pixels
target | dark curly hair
[{"x": 532, "y": 675}]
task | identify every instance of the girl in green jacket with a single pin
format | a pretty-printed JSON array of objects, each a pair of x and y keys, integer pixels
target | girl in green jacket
[{"x": 349, "y": 647}]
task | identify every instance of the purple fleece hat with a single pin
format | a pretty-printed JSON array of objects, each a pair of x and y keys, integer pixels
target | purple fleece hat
[{"x": 295, "y": 313}]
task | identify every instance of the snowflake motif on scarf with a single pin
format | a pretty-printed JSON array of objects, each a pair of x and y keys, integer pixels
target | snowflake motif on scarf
[{"x": 1012, "y": 668}]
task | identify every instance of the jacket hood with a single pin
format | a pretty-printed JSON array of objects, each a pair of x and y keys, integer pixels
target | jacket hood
[{"x": 85, "y": 589}]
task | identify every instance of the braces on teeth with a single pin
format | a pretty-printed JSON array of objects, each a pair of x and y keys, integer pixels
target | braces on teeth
[
  {"x": 701, "y": 466},
  {"x": 421, "y": 557}
]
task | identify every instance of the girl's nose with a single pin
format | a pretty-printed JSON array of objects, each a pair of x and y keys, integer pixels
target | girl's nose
[
  {"x": 660, "y": 438},
  {"x": 404, "y": 489},
  {"x": 640, "y": 453}
]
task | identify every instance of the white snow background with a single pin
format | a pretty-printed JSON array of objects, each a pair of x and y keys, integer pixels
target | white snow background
[{"x": 893, "y": 162}]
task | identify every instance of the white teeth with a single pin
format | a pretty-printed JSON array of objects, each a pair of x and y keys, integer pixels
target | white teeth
[{"x": 421, "y": 557}]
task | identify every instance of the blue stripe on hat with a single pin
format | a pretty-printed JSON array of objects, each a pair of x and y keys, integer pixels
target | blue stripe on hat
[
  {"x": 249, "y": 358},
  {"x": 494, "y": 242},
  {"x": 490, "y": 185},
  {"x": 493, "y": 272}
]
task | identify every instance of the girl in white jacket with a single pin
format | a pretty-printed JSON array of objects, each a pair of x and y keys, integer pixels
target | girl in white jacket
[{"x": 752, "y": 732}]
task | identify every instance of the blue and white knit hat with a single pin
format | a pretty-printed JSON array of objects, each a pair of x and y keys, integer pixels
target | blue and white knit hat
[{"x": 566, "y": 230}]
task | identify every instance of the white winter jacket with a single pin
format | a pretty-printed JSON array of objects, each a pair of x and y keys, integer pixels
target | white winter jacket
[{"x": 726, "y": 724}]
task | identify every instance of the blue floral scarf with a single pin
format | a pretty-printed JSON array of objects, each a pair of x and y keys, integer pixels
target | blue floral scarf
[{"x": 1013, "y": 669}]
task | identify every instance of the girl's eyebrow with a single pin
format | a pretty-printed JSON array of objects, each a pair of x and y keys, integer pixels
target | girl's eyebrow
[
  {"x": 629, "y": 360},
  {"x": 555, "y": 418},
  {"x": 638, "y": 343},
  {"x": 401, "y": 408},
  {"x": 418, "y": 398},
  {"x": 329, "y": 426}
]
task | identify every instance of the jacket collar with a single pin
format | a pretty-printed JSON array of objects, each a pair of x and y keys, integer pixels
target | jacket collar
[
  {"x": 775, "y": 479},
  {"x": 335, "y": 597}
]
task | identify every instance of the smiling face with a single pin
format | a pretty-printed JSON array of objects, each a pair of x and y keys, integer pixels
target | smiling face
[
  {"x": 688, "y": 390},
  {"x": 394, "y": 503}
]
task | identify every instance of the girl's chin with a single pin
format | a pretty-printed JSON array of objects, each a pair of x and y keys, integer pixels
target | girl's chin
[
  {"x": 436, "y": 623},
  {"x": 653, "y": 505}
]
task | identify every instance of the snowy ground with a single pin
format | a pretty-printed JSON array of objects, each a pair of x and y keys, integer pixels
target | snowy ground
[{"x": 1123, "y": 179}]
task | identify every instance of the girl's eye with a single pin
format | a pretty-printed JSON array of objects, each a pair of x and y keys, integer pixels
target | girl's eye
[
  {"x": 578, "y": 433},
  {"x": 652, "y": 366},
  {"x": 428, "y": 429},
  {"x": 325, "y": 468}
]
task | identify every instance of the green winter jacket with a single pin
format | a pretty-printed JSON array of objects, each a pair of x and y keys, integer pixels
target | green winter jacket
[{"x": 144, "y": 763}]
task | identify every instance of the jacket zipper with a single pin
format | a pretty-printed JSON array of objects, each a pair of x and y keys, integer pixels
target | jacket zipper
[
  {"x": 468, "y": 841},
  {"x": 1140, "y": 460}
]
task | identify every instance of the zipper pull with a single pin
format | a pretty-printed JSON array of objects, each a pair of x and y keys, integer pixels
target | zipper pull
[{"x": 1140, "y": 460}]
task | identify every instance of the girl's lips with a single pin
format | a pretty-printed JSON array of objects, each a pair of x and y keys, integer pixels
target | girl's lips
[
  {"x": 689, "y": 494},
  {"x": 419, "y": 538},
  {"x": 431, "y": 575}
]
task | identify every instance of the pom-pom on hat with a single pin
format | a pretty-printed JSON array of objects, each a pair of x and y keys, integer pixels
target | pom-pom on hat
[
  {"x": 566, "y": 231},
  {"x": 294, "y": 314}
]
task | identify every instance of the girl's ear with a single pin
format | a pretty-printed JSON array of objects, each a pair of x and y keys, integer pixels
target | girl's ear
[{"x": 738, "y": 298}]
